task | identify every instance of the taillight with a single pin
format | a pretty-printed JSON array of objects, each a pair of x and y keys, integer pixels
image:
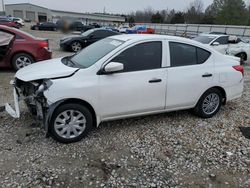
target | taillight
[
  {"x": 44, "y": 44},
  {"x": 239, "y": 68}
]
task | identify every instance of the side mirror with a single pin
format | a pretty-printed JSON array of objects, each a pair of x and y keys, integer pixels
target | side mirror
[
  {"x": 91, "y": 36},
  {"x": 113, "y": 67},
  {"x": 216, "y": 44}
]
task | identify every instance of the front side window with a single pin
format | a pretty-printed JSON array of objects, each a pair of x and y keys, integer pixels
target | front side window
[
  {"x": 145, "y": 56},
  {"x": 5, "y": 38},
  {"x": 185, "y": 55}
]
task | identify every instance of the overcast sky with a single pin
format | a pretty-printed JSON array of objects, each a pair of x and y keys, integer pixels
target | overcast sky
[{"x": 113, "y": 6}]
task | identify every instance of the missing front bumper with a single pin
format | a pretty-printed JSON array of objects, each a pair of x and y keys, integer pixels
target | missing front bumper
[{"x": 15, "y": 113}]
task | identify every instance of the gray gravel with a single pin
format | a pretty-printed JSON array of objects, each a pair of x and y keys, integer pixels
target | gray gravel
[{"x": 169, "y": 150}]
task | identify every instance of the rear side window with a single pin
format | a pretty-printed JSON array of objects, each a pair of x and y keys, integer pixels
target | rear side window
[
  {"x": 145, "y": 56},
  {"x": 202, "y": 55},
  {"x": 184, "y": 54},
  {"x": 222, "y": 40}
]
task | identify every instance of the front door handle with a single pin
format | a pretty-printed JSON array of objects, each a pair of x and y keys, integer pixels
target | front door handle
[
  {"x": 155, "y": 80},
  {"x": 206, "y": 75}
]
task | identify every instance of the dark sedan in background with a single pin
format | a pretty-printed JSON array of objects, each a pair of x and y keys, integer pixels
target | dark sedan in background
[
  {"x": 19, "y": 49},
  {"x": 46, "y": 26},
  {"x": 77, "y": 42}
]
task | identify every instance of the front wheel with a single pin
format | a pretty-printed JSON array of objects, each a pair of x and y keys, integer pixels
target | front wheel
[
  {"x": 209, "y": 103},
  {"x": 70, "y": 123},
  {"x": 76, "y": 46}
]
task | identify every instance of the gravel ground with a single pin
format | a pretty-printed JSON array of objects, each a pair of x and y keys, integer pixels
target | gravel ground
[{"x": 168, "y": 150}]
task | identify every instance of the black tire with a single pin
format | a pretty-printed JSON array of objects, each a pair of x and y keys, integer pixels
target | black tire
[
  {"x": 242, "y": 56},
  {"x": 200, "y": 111},
  {"x": 76, "y": 108},
  {"x": 20, "y": 55}
]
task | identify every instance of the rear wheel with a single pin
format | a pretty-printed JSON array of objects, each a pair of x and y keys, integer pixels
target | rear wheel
[
  {"x": 242, "y": 56},
  {"x": 22, "y": 60},
  {"x": 76, "y": 46},
  {"x": 209, "y": 103},
  {"x": 70, "y": 123}
]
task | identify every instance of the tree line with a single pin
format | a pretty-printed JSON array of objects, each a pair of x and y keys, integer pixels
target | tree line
[{"x": 222, "y": 12}]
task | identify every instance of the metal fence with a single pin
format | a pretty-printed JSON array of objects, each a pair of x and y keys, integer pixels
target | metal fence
[{"x": 195, "y": 29}]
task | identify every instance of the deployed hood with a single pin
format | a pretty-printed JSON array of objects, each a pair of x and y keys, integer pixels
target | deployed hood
[{"x": 45, "y": 69}]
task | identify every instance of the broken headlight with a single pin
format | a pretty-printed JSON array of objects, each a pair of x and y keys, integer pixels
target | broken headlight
[{"x": 44, "y": 86}]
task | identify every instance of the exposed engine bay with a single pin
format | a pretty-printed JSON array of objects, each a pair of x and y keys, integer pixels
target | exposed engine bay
[{"x": 32, "y": 94}]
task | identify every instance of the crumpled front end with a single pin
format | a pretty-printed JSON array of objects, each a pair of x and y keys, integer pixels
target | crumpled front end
[{"x": 32, "y": 94}]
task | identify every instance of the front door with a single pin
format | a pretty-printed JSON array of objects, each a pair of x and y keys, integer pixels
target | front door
[
  {"x": 140, "y": 88},
  {"x": 6, "y": 41}
]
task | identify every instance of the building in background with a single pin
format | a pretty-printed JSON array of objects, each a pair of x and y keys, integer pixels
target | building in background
[
  {"x": 2, "y": 7},
  {"x": 37, "y": 13}
]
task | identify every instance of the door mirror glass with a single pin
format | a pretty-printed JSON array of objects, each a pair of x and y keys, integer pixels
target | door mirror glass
[
  {"x": 216, "y": 44},
  {"x": 113, "y": 67}
]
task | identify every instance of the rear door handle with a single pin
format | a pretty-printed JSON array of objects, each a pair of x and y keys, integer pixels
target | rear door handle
[
  {"x": 206, "y": 75},
  {"x": 154, "y": 80}
]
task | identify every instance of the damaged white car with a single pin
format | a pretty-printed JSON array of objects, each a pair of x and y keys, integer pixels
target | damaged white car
[
  {"x": 126, "y": 76},
  {"x": 225, "y": 44}
]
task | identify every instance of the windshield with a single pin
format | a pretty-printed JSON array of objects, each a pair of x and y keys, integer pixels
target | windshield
[
  {"x": 204, "y": 39},
  {"x": 91, "y": 54},
  {"x": 86, "y": 33}
]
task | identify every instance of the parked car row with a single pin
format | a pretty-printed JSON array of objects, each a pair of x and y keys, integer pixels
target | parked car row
[
  {"x": 64, "y": 26},
  {"x": 225, "y": 44}
]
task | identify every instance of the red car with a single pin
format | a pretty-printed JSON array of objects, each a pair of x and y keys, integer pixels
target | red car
[
  {"x": 9, "y": 23},
  {"x": 19, "y": 49}
]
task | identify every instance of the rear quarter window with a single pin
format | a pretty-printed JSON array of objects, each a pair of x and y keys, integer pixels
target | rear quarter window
[{"x": 185, "y": 55}]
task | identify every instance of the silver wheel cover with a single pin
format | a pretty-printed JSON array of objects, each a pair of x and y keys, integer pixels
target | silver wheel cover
[
  {"x": 211, "y": 103},
  {"x": 70, "y": 124},
  {"x": 22, "y": 61},
  {"x": 76, "y": 46}
]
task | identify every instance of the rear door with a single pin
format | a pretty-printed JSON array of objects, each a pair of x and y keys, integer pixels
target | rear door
[
  {"x": 141, "y": 87},
  {"x": 190, "y": 74}
]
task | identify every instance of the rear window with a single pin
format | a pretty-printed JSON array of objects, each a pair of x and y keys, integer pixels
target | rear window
[
  {"x": 204, "y": 39},
  {"x": 184, "y": 54},
  {"x": 23, "y": 32}
]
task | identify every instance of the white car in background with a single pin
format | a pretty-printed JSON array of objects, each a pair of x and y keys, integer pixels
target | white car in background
[
  {"x": 225, "y": 44},
  {"x": 126, "y": 76},
  {"x": 123, "y": 29},
  {"x": 20, "y": 21}
]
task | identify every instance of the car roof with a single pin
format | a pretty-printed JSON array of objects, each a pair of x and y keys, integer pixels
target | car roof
[
  {"x": 144, "y": 37},
  {"x": 127, "y": 37}
]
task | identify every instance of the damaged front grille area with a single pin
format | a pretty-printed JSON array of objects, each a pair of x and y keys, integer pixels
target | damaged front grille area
[
  {"x": 26, "y": 88},
  {"x": 32, "y": 94}
]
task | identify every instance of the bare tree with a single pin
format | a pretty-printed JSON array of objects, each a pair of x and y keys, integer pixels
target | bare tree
[{"x": 194, "y": 12}]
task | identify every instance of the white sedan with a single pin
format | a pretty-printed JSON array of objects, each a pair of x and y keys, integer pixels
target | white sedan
[
  {"x": 225, "y": 44},
  {"x": 126, "y": 76}
]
